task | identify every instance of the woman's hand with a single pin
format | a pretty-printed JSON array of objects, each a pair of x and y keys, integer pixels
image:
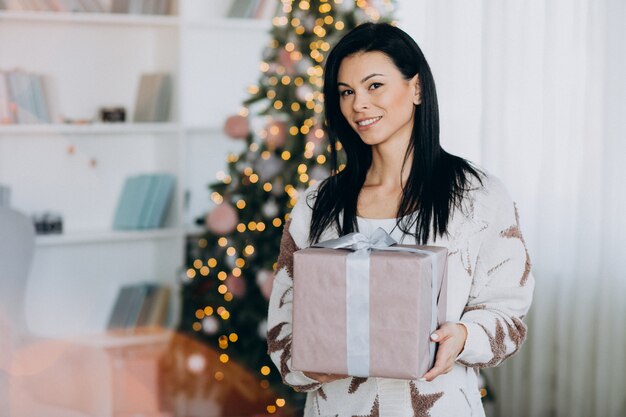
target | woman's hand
[
  {"x": 451, "y": 338},
  {"x": 324, "y": 378}
]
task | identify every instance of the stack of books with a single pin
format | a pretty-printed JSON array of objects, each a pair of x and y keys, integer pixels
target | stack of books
[
  {"x": 145, "y": 7},
  {"x": 144, "y": 201},
  {"x": 84, "y": 6},
  {"x": 140, "y": 305},
  {"x": 160, "y": 7},
  {"x": 153, "y": 98},
  {"x": 253, "y": 9},
  {"x": 22, "y": 98}
]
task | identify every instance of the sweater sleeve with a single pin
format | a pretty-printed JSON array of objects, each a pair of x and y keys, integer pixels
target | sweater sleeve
[
  {"x": 501, "y": 291},
  {"x": 279, "y": 318}
]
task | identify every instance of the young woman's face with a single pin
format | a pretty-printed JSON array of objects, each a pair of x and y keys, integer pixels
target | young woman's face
[{"x": 375, "y": 98}]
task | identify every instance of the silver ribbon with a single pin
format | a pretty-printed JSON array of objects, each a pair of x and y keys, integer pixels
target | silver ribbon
[{"x": 358, "y": 292}]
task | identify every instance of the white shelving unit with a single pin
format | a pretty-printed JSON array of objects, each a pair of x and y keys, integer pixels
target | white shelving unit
[{"x": 95, "y": 60}]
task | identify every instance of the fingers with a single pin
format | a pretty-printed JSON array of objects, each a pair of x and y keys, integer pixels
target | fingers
[
  {"x": 443, "y": 333},
  {"x": 443, "y": 365},
  {"x": 451, "y": 339},
  {"x": 324, "y": 378}
]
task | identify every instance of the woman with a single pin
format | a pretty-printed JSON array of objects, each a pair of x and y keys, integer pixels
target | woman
[{"x": 381, "y": 105}]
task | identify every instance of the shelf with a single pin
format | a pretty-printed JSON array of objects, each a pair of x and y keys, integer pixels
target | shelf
[
  {"x": 89, "y": 129},
  {"x": 76, "y": 238},
  {"x": 91, "y": 18},
  {"x": 199, "y": 130},
  {"x": 228, "y": 23}
]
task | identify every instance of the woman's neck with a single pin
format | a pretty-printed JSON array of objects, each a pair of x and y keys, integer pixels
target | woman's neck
[{"x": 387, "y": 163}]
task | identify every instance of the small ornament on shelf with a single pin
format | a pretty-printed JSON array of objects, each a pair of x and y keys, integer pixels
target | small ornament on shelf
[
  {"x": 112, "y": 114},
  {"x": 48, "y": 223}
]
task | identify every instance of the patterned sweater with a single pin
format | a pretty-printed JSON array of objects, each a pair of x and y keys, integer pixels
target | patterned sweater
[{"x": 490, "y": 288}]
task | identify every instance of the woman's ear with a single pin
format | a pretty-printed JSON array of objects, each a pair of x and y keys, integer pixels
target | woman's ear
[{"x": 417, "y": 96}]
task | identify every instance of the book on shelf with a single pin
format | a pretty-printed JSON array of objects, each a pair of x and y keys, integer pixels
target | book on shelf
[
  {"x": 252, "y": 9},
  {"x": 80, "y": 6},
  {"x": 5, "y": 196},
  {"x": 144, "y": 201},
  {"x": 152, "y": 103},
  {"x": 140, "y": 305},
  {"x": 23, "y": 98},
  {"x": 143, "y": 7}
]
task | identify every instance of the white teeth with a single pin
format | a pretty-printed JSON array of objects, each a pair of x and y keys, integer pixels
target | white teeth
[{"x": 369, "y": 121}]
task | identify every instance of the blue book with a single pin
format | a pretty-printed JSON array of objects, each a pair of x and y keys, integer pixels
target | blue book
[
  {"x": 122, "y": 213},
  {"x": 138, "y": 202},
  {"x": 41, "y": 109},
  {"x": 162, "y": 198}
]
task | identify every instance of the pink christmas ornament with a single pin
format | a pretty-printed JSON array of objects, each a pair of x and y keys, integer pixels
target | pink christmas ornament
[
  {"x": 223, "y": 219},
  {"x": 276, "y": 134},
  {"x": 265, "y": 281},
  {"x": 236, "y": 286},
  {"x": 284, "y": 58},
  {"x": 316, "y": 135},
  {"x": 237, "y": 127}
]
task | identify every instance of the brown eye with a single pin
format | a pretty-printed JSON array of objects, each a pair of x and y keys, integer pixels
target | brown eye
[
  {"x": 375, "y": 86},
  {"x": 345, "y": 93}
]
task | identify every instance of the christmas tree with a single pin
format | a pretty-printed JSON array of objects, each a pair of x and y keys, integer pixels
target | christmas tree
[{"x": 230, "y": 271}]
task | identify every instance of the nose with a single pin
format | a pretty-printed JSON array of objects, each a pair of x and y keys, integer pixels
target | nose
[{"x": 360, "y": 102}]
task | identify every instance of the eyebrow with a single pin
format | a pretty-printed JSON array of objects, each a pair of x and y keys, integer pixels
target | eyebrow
[{"x": 362, "y": 81}]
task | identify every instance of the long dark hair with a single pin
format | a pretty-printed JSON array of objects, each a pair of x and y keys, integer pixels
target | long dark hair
[{"x": 437, "y": 181}]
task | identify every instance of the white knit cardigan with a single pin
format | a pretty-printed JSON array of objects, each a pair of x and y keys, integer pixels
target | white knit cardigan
[{"x": 490, "y": 288}]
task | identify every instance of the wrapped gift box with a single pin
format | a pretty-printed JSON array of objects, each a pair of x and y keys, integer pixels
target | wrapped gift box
[{"x": 368, "y": 323}]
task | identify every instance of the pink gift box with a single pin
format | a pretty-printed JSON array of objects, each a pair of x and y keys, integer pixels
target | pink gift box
[{"x": 400, "y": 312}]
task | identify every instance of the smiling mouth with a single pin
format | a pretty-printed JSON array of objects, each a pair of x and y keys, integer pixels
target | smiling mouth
[{"x": 369, "y": 121}]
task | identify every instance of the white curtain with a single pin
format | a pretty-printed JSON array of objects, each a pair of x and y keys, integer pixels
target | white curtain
[{"x": 535, "y": 92}]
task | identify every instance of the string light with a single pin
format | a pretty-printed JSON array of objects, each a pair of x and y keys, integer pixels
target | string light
[
  {"x": 285, "y": 155},
  {"x": 219, "y": 376},
  {"x": 236, "y": 272},
  {"x": 240, "y": 262},
  {"x": 204, "y": 271},
  {"x": 233, "y": 337},
  {"x": 277, "y": 222},
  {"x": 222, "y": 242},
  {"x": 191, "y": 273},
  {"x": 222, "y": 277},
  {"x": 202, "y": 243},
  {"x": 208, "y": 310},
  {"x": 241, "y": 204},
  {"x": 197, "y": 264},
  {"x": 216, "y": 197},
  {"x": 241, "y": 227},
  {"x": 212, "y": 263},
  {"x": 199, "y": 314}
]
